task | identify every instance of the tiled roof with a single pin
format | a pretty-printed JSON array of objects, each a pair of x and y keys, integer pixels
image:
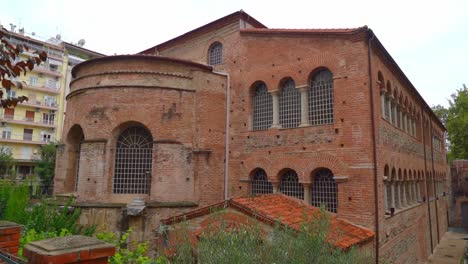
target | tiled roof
[{"x": 291, "y": 212}]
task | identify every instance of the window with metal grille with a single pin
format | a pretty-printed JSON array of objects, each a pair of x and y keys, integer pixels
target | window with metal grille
[
  {"x": 321, "y": 98},
  {"x": 387, "y": 108},
  {"x": 289, "y": 105},
  {"x": 215, "y": 54},
  {"x": 324, "y": 190},
  {"x": 290, "y": 185},
  {"x": 262, "y": 107},
  {"x": 260, "y": 183},
  {"x": 133, "y": 161}
]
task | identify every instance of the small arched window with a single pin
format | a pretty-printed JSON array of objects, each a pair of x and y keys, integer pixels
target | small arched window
[
  {"x": 215, "y": 54},
  {"x": 289, "y": 104},
  {"x": 388, "y": 189},
  {"x": 321, "y": 98},
  {"x": 290, "y": 185},
  {"x": 260, "y": 183},
  {"x": 133, "y": 161},
  {"x": 324, "y": 190},
  {"x": 262, "y": 107}
]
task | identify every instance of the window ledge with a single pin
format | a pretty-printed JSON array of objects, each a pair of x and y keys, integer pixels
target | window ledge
[
  {"x": 387, "y": 216},
  {"x": 340, "y": 179}
]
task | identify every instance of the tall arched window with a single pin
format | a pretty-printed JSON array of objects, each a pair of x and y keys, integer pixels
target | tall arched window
[
  {"x": 215, "y": 54},
  {"x": 321, "y": 98},
  {"x": 133, "y": 161},
  {"x": 260, "y": 183},
  {"x": 388, "y": 189},
  {"x": 289, "y": 104},
  {"x": 262, "y": 107},
  {"x": 290, "y": 185},
  {"x": 324, "y": 190}
]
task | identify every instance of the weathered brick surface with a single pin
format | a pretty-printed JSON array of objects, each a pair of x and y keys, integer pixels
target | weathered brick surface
[{"x": 190, "y": 112}]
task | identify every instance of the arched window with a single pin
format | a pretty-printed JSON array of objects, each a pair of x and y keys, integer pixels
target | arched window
[
  {"x": 290, "y": 185},
  {"x": 321, "y": 98},
  {"x": 388, "y": 189},
  {"x": 74, "y": 141},
  {"x": 260, "y": 183},
  {"x": 396, "y": 190},
  {"x": 262, "y": 107},
  {"x": 324, "y": 190},
  {"x": 289, "y": 104},
  {"x": 215, "y": 54},
  {"x": 133, "y": 161}
]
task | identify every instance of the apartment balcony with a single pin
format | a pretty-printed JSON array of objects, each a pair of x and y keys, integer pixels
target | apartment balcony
[
  {"x": 41, "y": 105},
  {"x": 47, "y": 70},
  {"x": 36, "y": 122},
  {"x": 47, "y": 88},
  {"x": 25, "y": 138}
]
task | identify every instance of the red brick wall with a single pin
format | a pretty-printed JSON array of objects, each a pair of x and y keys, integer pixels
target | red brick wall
[{"x": 175, "y": 101}]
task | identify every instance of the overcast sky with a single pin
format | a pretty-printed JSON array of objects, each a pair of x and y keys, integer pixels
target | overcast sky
[{"x": 428, "y": 39}]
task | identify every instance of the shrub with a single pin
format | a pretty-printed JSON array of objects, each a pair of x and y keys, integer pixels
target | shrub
[
  {"x": 136, "y": 254},
  {"x": 250, "y": 244}
]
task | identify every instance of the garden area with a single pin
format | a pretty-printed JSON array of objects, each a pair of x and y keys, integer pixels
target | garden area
[{"x": 46, "y": 219}]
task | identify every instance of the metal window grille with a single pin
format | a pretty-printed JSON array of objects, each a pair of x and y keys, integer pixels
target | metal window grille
[
  {"x": 262, "y": 108},
  {"x": 387, "y": 108},
  {"x": 291, "y": 186},
  {"x": 388, "y": 188},
  {"x": 77, "y": 168},
  {"x": 289, "y": 105},
  {"x": 216, "y": 54},
  {"x": 133, "y": 161},
  {"x": 321, "y": 98},
  {"x": 396, "y": 194},
  {"x": 407, "y": 193},
  {"x": 324, "y": 190},
  {"x": 260, "y": 183}
]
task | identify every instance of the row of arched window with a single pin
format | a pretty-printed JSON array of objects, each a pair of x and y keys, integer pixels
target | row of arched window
[
  {"x": 404, "y": 188},
  {"x": 323, "y": 190},
  {"x": 286, "y": 109},
  {"x": 397, "y": 110}
]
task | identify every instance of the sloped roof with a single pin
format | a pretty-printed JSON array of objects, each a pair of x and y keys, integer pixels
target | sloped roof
[
  {"x": 219, "y": 23},
  {"x": 291, "y": 212},
  {"x": 304, "y": 30}
]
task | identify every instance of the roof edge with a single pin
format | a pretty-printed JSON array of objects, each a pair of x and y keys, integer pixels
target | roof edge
[
  {"x": 206, "y": 28},
  {"x": 144, "y": 57},
  {"x": 399, "y": 71}
]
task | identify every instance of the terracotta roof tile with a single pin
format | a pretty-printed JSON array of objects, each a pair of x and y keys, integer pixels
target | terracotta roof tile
[{"x": 293, "y": 212}]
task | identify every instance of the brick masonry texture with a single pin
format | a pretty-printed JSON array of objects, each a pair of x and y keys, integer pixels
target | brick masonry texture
[{"x": 184, "y": 106}]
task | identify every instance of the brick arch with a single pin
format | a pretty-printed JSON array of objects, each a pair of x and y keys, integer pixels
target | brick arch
[
  {"x": 258, "y": 162},
  {"x": 210, "y": 43},
  {"x": 325, "y": 160},
  {"x": 381, "y": 80},
  {"x": 117, "y": 130}
]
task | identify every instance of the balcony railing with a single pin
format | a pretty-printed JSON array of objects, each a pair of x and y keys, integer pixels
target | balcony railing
[
  {"x": 28, "y": 120},
  {"x": 27, "y": 138},
  {"x": 44, "y": 87},
  {"x": 39, "y": 104}
]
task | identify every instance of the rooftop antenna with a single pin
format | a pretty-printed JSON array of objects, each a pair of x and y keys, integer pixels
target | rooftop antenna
[{"x": 12, "y": 27}]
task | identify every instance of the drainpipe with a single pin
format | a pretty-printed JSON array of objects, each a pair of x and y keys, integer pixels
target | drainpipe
[
  {"x": 433, "y": 183},
  {"x": 374, "y": 148},
  {"x": 425, "y": 173},
  {"x": 226, "y": 143}
]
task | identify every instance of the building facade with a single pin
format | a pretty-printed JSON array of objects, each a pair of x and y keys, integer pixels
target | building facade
[
  {"x": 325, "y": 116},
  {"x": 39, "y": 120}
]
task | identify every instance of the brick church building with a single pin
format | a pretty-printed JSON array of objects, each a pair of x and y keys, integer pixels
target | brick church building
[{"x": 234, "y": 108}]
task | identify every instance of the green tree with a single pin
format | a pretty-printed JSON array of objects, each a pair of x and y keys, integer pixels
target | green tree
[
  {"x": 11, "y": 67},
  {"x": 44, "y": 167},
  {"x": 457, "y": 124},
  {"x": 6, "y": 160},
  {"x": 441, "y": 112}
]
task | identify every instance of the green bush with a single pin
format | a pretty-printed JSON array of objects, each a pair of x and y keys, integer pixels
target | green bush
[
  {"x": 136, "y": 254},
  {"x": 14, "y": 200},
  {"x": 250, "y": 244}
]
